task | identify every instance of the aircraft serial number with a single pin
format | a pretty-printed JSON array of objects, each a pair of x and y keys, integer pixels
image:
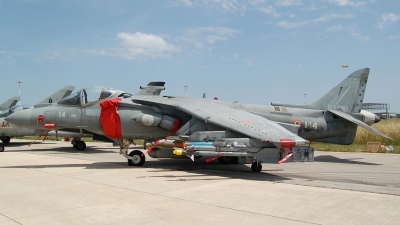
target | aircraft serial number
[
  {"x": 61, "y": 115},
  {"x": 310, "y": 125}
]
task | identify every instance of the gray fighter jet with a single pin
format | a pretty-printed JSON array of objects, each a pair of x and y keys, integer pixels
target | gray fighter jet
[
  {"x": 181, "y": 126},
  {"x": 8, "y": 130}
]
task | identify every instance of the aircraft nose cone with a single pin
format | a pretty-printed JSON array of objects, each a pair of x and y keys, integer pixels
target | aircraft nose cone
[
  {"x": 377, "y": 119},
  {"x": 20, "y": 118}
]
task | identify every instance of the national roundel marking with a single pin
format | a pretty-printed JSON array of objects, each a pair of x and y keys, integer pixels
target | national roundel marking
[{"x": 297, "y": 122}]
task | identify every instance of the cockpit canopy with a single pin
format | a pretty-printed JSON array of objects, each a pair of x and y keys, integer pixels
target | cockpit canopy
[
  {"x": 11, "y": 110},
  {"x": 89, "y": 95}
]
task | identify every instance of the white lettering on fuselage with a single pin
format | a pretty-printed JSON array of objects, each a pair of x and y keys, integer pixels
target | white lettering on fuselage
[
  {"x": 343, "y": 108},
  {"x": 61, "y": 115},
  {"x": 310, "y": 125}
]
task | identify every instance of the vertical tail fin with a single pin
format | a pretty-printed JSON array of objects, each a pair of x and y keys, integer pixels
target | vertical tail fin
[
  {"x": 347, "y": 96},
  {"x": 58, "y": 95},
  {"x": 9, "y": 103}
]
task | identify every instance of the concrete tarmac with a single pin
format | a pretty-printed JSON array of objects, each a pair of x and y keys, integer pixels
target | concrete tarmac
[{"x": 52, "y": 183}]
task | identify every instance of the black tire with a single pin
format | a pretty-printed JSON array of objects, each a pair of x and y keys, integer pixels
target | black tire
[
  {"x": 6, "y": 139},
  {"x": 80, "y": 145},
  {"x": 256, "y": 167},
  {"x": 1, "y": 148},
  {"x": 228, "y": 159},
  {"x": 138, "y": 160}
]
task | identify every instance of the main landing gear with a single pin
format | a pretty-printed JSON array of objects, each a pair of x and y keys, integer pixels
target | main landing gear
[
  {"x": 78, "y": 144},
  {"x": 5, "y": 139},
  {"x": 135, "y": 157},
  {"x": 256, "y": 166}
]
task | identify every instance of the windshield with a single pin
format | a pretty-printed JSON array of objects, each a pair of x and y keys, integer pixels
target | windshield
[
  {"x": 5, "y": 112},
  {"x": 11, "y": 110},
  {"x": 87, "y": 95}
]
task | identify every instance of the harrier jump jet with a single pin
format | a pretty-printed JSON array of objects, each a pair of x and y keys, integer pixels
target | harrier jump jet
[{"x": 182, "y": 126}]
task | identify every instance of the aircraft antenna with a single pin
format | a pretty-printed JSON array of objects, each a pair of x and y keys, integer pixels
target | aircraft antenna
[
  {"x": 186, "y": 90},
  {"x": 19, "y": 91}
]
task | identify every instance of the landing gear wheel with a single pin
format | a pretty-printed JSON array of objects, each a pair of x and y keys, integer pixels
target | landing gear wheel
[
  {"x": 228, "y": 159},
  {"x": 5, "y": 139},
  {"x": 138, "y": 158},
  {"x": 1, "y": 148},
  {"x": 256, "y": 167},
  {"x": 80, "y": 145}
]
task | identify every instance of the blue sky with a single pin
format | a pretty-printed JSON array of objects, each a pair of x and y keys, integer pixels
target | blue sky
[{"x": 254, "y": 51}]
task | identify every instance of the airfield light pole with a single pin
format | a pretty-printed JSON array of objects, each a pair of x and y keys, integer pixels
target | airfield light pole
[
  {"x": 19, "y": 91},
  {"x": 305, "y": 99},
  {"x": 186, "y": 90}
]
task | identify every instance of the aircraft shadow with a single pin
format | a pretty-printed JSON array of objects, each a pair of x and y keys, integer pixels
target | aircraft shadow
[
  {"x": 20, "y": 142},
  {"x": 163, "y": 168},
  {"x": 15, "y": 144},
  {"x": 157, "y": 167},
  {"x": 333, "y": 159},
  {"x": 88, "y": 150},
  {"x": 201, "y": 167}
]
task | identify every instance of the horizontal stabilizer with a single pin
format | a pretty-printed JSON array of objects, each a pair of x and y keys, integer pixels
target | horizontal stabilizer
[
  {"x": 152, "y": 88},
  {"x": 358, "y": 122}
]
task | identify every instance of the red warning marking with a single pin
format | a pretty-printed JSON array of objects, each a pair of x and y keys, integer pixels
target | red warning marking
[
  {"x": 49, "y": 125},
  {"x": 175, "y": 128},
  {"x": 285, "y": 158},
  {"x": 287, "y": 143},
  {"x": 214, "y": 158},
  {"x": 151, "y": 147}
]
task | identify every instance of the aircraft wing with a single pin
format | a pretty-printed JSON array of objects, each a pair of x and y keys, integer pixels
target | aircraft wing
[
  {"x": 9, "y": 103},
  {"x": 237, "y": 120},
  {"x": 359, "y": 123}
]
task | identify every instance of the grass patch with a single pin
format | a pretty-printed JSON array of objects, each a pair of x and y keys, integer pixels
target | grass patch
[{"x": 389, "y": 127}]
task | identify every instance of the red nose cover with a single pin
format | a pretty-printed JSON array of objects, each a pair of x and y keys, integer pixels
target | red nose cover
[{"x": 110, "y": 119}]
